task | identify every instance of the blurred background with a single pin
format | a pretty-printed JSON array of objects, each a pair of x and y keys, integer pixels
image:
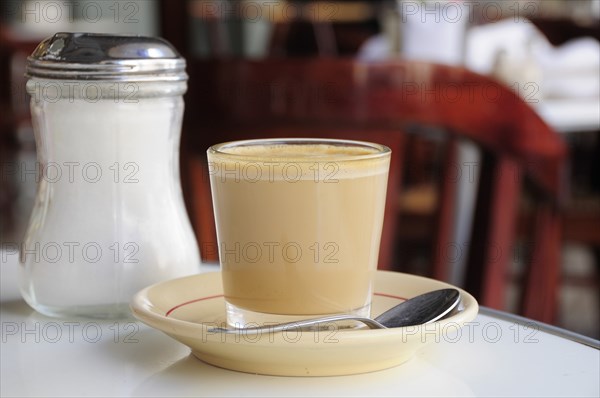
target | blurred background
[{"x": 546, "y": 51}]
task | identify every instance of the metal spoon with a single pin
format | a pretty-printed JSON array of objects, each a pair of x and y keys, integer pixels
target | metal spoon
[{"x": 422, "y": 309}]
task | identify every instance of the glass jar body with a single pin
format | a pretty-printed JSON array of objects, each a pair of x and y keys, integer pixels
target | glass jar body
[{"x": 109, "y": 217}]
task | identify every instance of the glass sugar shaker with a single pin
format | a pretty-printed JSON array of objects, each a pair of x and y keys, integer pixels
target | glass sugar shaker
[{"x": 109, "y": 217}]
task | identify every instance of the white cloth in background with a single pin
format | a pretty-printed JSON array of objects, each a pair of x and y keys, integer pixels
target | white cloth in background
[
  {"x": 572, "y": 70},
  {"x": 567, "y": 71},
  {"x": 561, "y": 83}
]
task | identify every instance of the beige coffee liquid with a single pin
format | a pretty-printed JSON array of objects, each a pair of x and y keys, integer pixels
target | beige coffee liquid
[{"x": 299, "y": 225}]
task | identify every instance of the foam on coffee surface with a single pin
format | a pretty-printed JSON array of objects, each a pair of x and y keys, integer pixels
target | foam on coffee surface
[
  {"x": 300, "y": 151},
  {"x": 302, "y": 160}
]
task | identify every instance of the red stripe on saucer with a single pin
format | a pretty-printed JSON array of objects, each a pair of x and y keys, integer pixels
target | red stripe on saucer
[
  {"x": 390, "y": 296},
  {"x": 192, "y": 301}
]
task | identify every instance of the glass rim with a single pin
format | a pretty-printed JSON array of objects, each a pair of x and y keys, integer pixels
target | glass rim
[{"x": 381, "y": 150}]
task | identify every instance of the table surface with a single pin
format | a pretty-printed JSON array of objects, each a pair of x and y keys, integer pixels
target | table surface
[{"x": 497, "y": 354}]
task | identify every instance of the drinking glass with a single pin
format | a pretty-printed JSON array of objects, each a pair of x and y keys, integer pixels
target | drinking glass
[{"x": 298, "y": 225}]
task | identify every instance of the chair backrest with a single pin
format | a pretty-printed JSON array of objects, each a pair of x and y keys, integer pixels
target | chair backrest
[{"x": 237, "y": 99}]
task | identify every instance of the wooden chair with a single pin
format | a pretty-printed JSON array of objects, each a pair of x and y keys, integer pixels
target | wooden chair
[{"x": 237, "y": 99}]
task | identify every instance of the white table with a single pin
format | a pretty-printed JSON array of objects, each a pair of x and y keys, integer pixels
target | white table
[{"x": 495, "y": 355}]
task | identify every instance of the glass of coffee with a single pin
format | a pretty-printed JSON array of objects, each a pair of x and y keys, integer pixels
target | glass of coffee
[{"x": 298, "y": 226}]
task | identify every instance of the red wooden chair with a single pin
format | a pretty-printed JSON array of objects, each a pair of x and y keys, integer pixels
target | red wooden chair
[{"x": 236, "y": 99}]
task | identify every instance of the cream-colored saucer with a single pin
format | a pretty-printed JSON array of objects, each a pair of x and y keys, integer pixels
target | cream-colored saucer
[{"x": 187, "y": 308}]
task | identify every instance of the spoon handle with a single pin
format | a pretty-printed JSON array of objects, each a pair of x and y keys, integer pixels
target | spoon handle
[{"x": 303, "y": 324}]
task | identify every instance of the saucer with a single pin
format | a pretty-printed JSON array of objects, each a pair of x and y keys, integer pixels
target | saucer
[{"x": 187, "y": 308}]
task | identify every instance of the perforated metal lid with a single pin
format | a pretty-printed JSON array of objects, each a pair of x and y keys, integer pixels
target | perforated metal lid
[{"x": 91, "y": 56}]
